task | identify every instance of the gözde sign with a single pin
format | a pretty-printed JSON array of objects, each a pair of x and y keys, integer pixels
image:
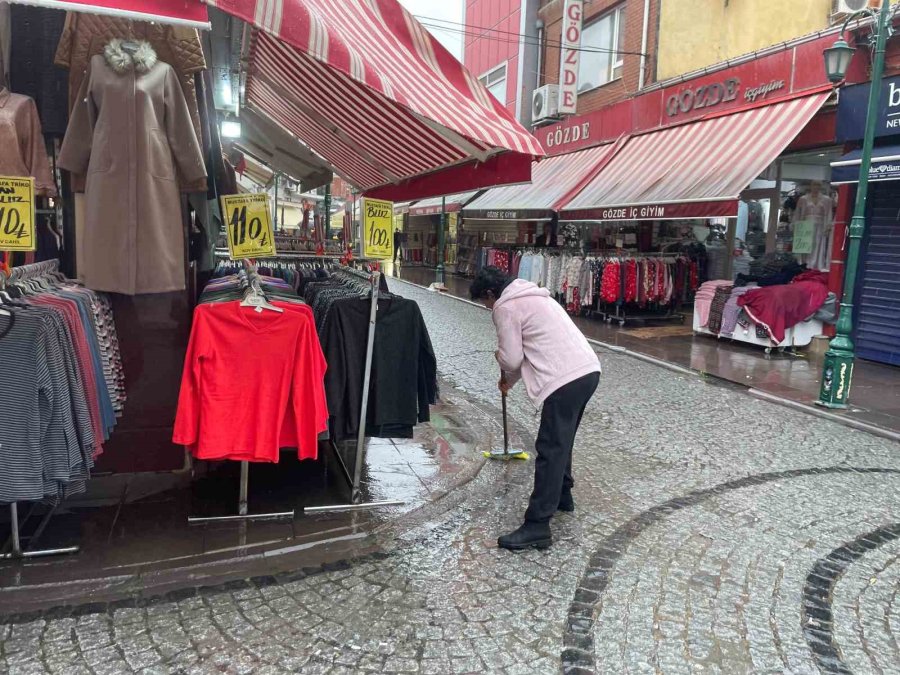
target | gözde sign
[{"x": 571, "y": 49}]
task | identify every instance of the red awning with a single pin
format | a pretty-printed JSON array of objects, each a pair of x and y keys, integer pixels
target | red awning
[
  {"x": 695, "y": 170},
  {"x": 450, "y": 204},
  {"x": 183, "y": 12},
  {"x": 365, "y": 86},
  {"x": 553, "y": 181}
]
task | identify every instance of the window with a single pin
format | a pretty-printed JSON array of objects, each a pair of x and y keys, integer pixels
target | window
[
  {"x": 495, "y": 81},
  {"x": 601, "y": 60}
]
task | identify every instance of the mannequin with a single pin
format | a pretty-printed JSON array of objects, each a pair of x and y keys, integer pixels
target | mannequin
[{"x": 817, "y": 207}]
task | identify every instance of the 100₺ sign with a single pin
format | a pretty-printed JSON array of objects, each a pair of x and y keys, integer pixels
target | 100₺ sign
[
  {"x": 17, "y": 214},
  {"x": 378, "y": 237}
]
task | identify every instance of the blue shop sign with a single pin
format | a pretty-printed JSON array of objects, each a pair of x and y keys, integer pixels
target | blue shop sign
[
  {"x": 885, "y": 165},
  {"x": 851, "y": 114}
]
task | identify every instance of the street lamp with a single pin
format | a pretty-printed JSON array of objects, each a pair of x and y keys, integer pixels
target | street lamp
[
  {"x": 837, "y": 371},
  {"x": 837, "y": 60}
]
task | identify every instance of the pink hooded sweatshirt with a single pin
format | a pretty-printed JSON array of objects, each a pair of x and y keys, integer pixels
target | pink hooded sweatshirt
[{"x": 538, "y": 341}]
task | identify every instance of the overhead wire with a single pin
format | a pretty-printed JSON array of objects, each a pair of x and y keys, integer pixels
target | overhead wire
[{"x": 482, "y": 33}]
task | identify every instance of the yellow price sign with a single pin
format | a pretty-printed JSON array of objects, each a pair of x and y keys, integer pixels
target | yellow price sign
[
  {"x": 378, "y": 235},
  {"x": 249, "y": 226},
  {"x": 17, "y": 214}
]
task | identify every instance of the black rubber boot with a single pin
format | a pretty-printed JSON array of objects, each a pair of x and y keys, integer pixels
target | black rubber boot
[
  {"x": 529, "y": 535},
  {"x": 566, "y": 502}
]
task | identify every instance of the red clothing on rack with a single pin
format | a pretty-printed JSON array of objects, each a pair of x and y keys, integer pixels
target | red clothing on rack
[{"x": 250, "y": 380}]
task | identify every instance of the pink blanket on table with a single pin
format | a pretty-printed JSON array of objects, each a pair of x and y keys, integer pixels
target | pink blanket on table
[{"x": 778, "y": 308}]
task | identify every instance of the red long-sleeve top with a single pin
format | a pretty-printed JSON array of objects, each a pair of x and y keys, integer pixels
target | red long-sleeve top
[{"x": 251, "y": 379}]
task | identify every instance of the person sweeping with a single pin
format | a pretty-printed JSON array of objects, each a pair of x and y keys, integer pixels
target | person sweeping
[{"x": 539, "y": 344}]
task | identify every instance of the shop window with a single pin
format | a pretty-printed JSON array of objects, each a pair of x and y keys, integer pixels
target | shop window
[
  {"x": 602, "y": 43},
  {"x": 495, "y": 81}
]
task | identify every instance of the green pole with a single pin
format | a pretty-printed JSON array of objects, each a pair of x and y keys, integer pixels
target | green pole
[
  {"x": 439, "y": 270},
  {"x": 327, "y": 223},
  {"x": 837, "y": 371}
]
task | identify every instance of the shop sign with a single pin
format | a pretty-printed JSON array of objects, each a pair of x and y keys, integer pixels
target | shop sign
[
  {"x": 851, "y": 115},
  {"x": 378, "y": 237},
  {"x": 704, "y": 96},
  {"x": 501, "y": 215},
  {"x": 569, "y": 135},
  {"x": 248, "y": 224},
  {"x": 569, "y": 56},
  {"x": 17, "y": 214},
  {"x": 804, "y": 232}
]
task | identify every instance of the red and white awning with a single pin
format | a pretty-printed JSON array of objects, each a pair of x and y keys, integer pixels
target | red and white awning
[
  {"x": 449, "y": 203},
  {"x": 695, "y": 170},
  {"x": 366, "y": 86},
  {"x": 553, "y": 181},
  {"x": 182, "y": 12}
]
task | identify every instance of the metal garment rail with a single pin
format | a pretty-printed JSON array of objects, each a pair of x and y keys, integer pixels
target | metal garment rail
[{"x": 13, "y": 548}]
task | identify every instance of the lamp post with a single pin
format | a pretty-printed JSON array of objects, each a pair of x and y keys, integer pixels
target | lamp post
[
  {"x": 439, "y": 270},
  {"x": 837, "y": 371}
]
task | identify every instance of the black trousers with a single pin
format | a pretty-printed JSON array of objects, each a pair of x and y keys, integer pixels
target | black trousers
[{"x": 560, "y": 419}]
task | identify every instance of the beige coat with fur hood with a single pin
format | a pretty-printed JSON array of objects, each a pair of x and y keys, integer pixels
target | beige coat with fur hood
[{"x": 129, "y": 129}]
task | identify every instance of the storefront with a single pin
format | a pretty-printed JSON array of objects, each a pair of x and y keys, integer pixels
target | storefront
[
  {"x": 708, "y": 178},
  {"x": 423, "y": 226},
  {"x": 877, "y": 301},
  {"x": 133, "y": 184},
  {"x": 506, "y": 222}
]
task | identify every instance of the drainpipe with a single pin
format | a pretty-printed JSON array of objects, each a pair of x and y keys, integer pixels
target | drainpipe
[{"x": 645, "y": 29}]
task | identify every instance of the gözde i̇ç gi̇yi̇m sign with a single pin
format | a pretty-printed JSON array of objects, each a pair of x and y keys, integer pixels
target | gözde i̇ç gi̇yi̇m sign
[{"x": 17, "y": 214}]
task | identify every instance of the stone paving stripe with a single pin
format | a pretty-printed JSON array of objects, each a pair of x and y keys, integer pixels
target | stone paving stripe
[
  {"x": 579, "y": 627},
  {"x": 818, "y": 626}
]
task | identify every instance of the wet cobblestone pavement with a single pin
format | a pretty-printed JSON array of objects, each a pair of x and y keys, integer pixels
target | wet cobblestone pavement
[{"x": 714, "y": 532}]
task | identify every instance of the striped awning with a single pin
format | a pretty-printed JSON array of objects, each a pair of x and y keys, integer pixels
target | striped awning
[
  {"x": 450, "y": 204},
  {"x": 366, "y": 87},
  {"x": 696, "y": 170},
  {"x": 181, "y": 12},
  {"x": 553, "y": 181}
]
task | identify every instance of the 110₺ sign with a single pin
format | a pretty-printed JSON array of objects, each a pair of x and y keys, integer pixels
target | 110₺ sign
[
  {"x": 248, "y": 225},
  {"x": 17, "y": 214},
  {"x": 377, "y": 234}
]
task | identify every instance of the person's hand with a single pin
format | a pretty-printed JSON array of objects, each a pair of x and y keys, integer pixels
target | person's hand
[{"x": 503, "y": 385}]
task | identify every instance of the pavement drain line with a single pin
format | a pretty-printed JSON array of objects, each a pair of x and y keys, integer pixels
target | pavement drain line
[{"x": 801, "y": 407}]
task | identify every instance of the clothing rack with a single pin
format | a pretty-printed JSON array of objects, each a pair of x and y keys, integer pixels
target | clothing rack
[
  {"x": 356, "y": 504},
  {"x": 253, "y": 287},
  {"x": 12, "y": 549},
  {"x": 253, "y": 291}
]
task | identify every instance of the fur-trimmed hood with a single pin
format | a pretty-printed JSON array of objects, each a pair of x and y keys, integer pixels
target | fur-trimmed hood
[{"x": 121, "y": 61}]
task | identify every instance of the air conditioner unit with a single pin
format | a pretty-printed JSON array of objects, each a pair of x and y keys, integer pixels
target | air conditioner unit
[
  {"x": 545, "y": 103},
  {"x": 845, "y": 7}
]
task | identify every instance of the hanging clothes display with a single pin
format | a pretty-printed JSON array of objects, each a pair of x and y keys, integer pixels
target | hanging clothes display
[
  {"x": 59, "y": 355},
  {"x": 129, "y": 129},
  {"x": 253, "y": 373},
  {"x": 404, "y": 368},
  {"x": 24, "y": 153},
  {"x": 86, "y": 35}
]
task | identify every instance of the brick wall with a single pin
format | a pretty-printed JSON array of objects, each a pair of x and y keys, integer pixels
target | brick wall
[
  {"x": 551, "y": 12},
  {"x": 491, "y": 29}
]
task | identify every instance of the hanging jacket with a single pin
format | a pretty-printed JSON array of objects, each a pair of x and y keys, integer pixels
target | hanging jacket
[{"x": 538, "y": 341}]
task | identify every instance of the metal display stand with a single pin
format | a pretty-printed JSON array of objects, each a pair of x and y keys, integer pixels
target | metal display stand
[{"x": 13, "y": 548}]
